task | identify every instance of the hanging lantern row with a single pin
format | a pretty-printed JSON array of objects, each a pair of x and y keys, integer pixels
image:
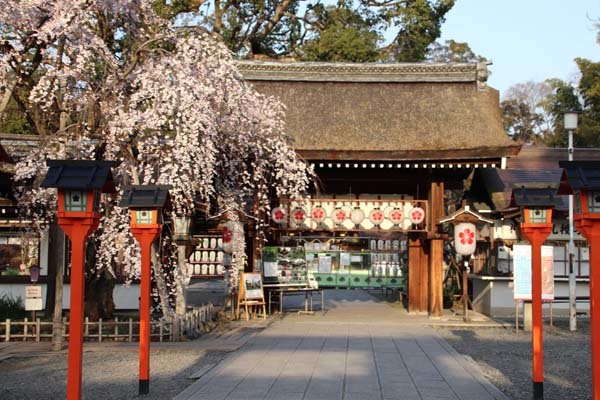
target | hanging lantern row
[{"x": 356, "y": 215}]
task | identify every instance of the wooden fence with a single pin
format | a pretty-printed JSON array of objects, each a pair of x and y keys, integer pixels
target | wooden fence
[{"x": 191, "y": 324}]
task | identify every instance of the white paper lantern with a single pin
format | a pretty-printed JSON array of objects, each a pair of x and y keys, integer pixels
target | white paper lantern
[
  {"x": 278, "y": 215},
  {"x": 376, "y": 216},
  {"x": 318, "y": 214},
  {"x": 417, "y": 215},
  {"x": 227, "y": 237},
  {"x": 465, "y": 238},
  {"x": 396, "y": 215},
  {"x": 357, "y": 216},
  {"x": 338, "y": 215},
  {"x": 299, "y": 215}
]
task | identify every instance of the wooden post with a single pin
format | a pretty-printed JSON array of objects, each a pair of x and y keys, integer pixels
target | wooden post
[
  {"x": 436, "y": 251},
  {"x": 418, "y": 276}
]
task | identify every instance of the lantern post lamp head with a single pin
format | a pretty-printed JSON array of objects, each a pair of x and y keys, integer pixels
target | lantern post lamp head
[
  {"x": 582, "y": 179},
  {"x": 145, "y": 204},
  {"x": 79, "y": 184},
  {"x": 536, "y": 205}
]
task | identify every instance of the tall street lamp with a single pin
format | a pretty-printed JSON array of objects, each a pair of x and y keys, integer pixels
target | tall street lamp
[
  {"x": 79, "y": 184},
  {"x": 570, "y": 124},
  {"x": 582, "y": 178},
  {"x": 145, "y": 203},
  {"x": 536, "y": 211}
]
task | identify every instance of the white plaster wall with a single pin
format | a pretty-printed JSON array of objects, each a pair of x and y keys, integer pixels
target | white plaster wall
[
  {"x": 126, "y": 298},
  {"x": 494, "y": 296}
]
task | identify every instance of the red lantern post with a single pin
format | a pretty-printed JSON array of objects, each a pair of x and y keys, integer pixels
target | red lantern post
[
  {"x": 583, "y": 179},
  {"x": 79, "y": 184},
  {"x": 145, "y": 202},
  {"x": 536, "y": 205}
]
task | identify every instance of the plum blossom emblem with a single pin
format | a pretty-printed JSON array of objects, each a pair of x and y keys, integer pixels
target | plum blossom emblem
[
  {"x": 227, "y": 235},
  {"x": 376, "y": 216},
  {"x": 298, "y": 215},
  {"x": 318, "y": 214},
  {"x": 396, "y": 216},
  {"x": 467, "y": 236}
]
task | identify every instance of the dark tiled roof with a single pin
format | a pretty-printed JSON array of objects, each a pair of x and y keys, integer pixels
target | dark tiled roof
[
  {"x": 79, "y": 174},
  {"x": 145, "y": 196}
]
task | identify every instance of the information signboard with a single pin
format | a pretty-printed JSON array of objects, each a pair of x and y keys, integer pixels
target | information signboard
[{"x": 522, "y": 272}]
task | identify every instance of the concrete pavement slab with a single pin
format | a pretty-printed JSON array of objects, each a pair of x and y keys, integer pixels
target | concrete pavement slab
[{"x": 359, "y": 349}]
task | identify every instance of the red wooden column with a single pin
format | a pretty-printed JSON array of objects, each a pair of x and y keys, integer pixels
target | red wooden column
[
  {"x": 590, "y": 229},
  {"x": 418, "y": 275},
  {"x": 436, "y": 250},
  {"x": 77, "y": 229},
  {"x": 536, "y": 236},
  {"x": 145, "y": 236}
]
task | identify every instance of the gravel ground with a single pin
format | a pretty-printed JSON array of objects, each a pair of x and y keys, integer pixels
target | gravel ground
[
  {"x": 106, "y": 375},
  {"x": 505, "y": 358}
]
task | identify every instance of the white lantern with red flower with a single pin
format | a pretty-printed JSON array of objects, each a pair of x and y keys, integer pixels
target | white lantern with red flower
[
  {"x": 465, "y": 238},
  {"x": 396, "y": 215},
  {"x": 376, "y": 216},
  {"x": 357, "y": 215},
  {"x": 416, "y": 215},
  {"x": 227, "y": 236},
  {"x": 279, "y": 215},
  {"x": 338, "y": 215},
  {"x": 318, "y": 214},
  {"x": 298, "y": 215}
]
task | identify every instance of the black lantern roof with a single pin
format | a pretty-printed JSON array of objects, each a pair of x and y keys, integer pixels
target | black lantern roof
[
  {"x": 579, "y": 175},
  {"x": 145, "y": 196},
  {"x": 80, "y": 174},
  {"x": 465, "y": 214},
  {"x": 535, "y": 197}
]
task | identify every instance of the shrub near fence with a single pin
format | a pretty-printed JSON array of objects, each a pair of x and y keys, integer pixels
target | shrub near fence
[{"x": 190, "y": 324}]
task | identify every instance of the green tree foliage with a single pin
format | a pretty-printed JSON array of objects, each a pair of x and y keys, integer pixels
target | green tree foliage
[
  {"x": 452, "y": 51},
  {"x": 347, "y": 30},
  {"x": 520, "y": 121},
  {"x": 340, "y": 34},
  {"x": 420, "y": 24},
  {"x": 523, "y": 111}
]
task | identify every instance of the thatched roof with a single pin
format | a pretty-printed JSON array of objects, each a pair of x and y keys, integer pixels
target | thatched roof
[{"x": 386, "y": 111}]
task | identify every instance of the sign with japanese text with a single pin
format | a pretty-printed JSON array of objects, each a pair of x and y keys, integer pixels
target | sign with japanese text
[{"x": 522, "y": 272}]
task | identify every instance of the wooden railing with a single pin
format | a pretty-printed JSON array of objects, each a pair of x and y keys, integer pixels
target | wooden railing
[{"x": 191, "y": 324}]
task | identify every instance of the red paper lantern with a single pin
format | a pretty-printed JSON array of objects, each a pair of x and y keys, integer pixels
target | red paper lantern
[{"x": 465, "y": 238}]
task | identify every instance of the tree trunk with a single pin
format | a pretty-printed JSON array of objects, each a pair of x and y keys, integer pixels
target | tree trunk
[
  {"x": 181, "y": 281},
  {"x": 161, "y": 285}
]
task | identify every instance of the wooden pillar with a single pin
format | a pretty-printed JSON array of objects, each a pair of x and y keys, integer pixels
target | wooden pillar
[
  {"x": 418, "y": 275},
  {"x": 436, "y": 250}
]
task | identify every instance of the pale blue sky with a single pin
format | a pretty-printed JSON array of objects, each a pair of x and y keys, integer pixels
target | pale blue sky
[{"x": 527, "y": 39}]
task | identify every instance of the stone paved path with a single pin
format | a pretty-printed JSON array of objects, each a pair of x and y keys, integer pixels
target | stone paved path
[{"x": 360, "y": 349}]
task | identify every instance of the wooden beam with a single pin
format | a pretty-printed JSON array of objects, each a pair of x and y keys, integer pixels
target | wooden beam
[{"x": 436, "y": 251}]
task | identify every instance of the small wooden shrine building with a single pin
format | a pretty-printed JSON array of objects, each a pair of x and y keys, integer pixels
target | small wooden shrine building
[{"x": 392, "y": 137}]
